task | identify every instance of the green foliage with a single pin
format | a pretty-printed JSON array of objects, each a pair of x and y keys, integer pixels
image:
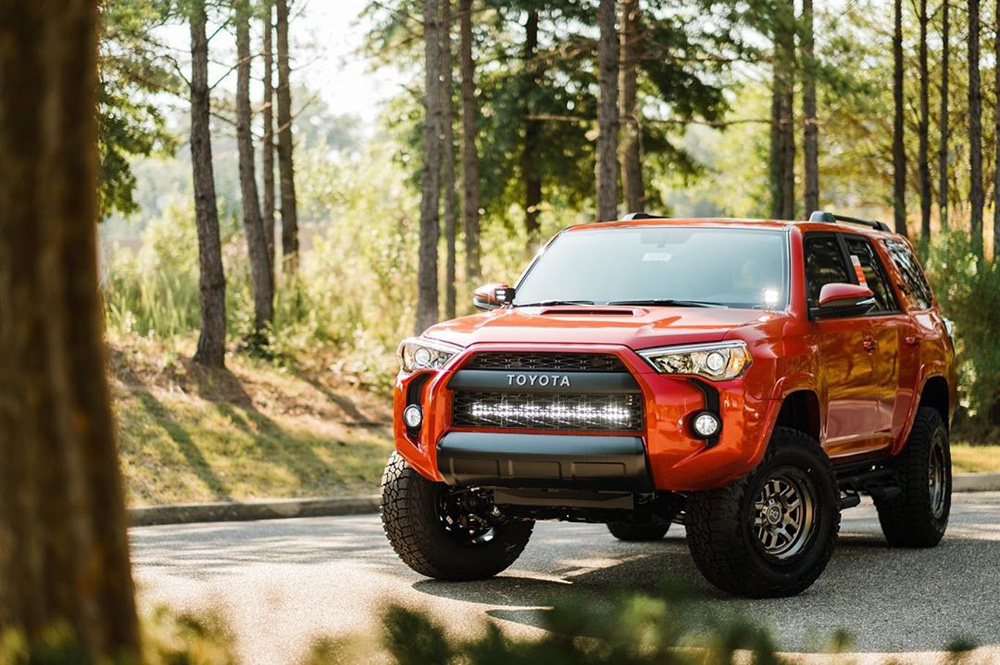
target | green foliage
[
  {"x": 969, "y": 294},
  {"x": 130, "y": 121},
  {"x": 666, "y": 627}
]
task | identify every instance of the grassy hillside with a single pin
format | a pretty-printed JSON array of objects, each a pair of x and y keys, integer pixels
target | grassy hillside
[
  {"x": 252, "y": 431},
  {"x": 256, "y": 430}
]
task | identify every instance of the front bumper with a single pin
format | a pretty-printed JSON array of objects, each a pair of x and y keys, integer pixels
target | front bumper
[
  {"x": 556, "y": 461},
  {"x": 671, "y": 456}
]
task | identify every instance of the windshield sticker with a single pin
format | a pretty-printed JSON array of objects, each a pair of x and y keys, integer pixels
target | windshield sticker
[
  {"x": 858, "y": 271},
  {"x": 657, "y": 256}
]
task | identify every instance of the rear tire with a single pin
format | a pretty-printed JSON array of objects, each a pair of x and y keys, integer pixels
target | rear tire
[
  {"x": 771, "y": 533},
  {"x": 444, "y": 532},
  {"x": 919, "y": 516},
  {"x": 639, "y": 533}
]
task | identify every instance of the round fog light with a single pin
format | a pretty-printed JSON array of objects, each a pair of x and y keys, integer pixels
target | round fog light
[
  {"x": 706, "y": 424},
  {"x": 413, "y": 416}
]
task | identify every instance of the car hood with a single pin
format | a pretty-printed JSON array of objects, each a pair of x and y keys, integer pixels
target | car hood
[{"x": 635, "y": 327}]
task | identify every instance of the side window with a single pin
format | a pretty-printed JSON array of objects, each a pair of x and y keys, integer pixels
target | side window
[
  {"x": 914, "y": 283},
  {"x": 874, "y": 273},
  {"x": 824, "y": 265}
]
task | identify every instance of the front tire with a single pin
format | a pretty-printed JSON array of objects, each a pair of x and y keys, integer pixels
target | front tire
[
  {"x": 918, "y": 517},
  {"x": 772, "y": 533},
  {"x": 444, "y": 532}
]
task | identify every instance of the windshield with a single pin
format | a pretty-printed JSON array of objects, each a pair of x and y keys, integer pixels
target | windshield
[{"x": 682, "y": 266}]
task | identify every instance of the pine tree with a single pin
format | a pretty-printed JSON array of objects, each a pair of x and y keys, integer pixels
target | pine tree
[{"x": 606, "y": 170}]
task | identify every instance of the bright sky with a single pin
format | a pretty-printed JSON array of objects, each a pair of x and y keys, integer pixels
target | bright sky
[
  {"x": 328, "y": 33},
  {"x": 326, "y": 36}
]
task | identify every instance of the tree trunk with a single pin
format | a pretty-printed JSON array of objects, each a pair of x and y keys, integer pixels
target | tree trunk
[
  {"x": 975, "y": 134},
  {"x": 923, "y": 152},
  {"x": 606, "y": 171},
  {"x": 943, "y": 146},
  {"x": 470, "y": 157},
  {"x": 448, "y": 143},
  {"x": 530, "y": 171},
  {"x": 782, "y": 114},
  {"x": 63, "y": 547},
  {"x": 631, "y": 147},
  {"x": 267, "y": 157},
  {"x": 996, "y": 144},
  {"x": 286, "y": 168},
  {"x": 898, "y": 151},
  {"x": 253, "y": 224},
  {"x": 212, "y": 281},
  {"x": 430, "y": 178},
  {"x": 810, "y": 138}
]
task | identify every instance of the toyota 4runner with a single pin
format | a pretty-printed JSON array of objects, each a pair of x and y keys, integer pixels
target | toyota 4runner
[{"x": 748, "y": 379}]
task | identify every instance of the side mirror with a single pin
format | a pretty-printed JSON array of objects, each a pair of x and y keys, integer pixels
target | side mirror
[
  {"x": 840, "y": 299},
  {"x": 492, "y": 296}
]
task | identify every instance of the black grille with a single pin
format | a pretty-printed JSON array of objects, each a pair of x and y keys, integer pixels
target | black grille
[
  {"x": 598, "y": 413},
  {"x": 560, "y": 362}
]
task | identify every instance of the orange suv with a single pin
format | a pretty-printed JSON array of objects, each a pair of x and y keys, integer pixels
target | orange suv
[{"x": 748, "y": 379}]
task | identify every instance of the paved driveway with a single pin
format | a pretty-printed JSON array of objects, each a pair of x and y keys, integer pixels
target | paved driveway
[{"x": 280, "y": 583}]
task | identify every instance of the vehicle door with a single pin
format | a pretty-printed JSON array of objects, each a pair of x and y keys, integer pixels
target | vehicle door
[
  {"x": 915, "y": 293},
  {"x": 844, "y": 353},
  {"x": 891, "y": 329}
]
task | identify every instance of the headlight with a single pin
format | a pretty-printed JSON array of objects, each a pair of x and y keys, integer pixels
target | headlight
[
  {"x": 418, "y": 353},
  {"x": 719, "y": 361}
]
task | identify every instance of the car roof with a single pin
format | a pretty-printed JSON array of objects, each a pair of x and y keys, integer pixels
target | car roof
[{"x": 742, "y": 223}]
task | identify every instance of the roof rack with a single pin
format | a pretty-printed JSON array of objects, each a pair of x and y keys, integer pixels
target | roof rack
[
  {"x": 830, "y": 218},
  {"x": 640, "y": 215}
]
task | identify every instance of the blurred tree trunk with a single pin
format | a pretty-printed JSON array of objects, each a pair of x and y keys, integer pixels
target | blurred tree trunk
[
  {"x": 532, "y": 128},
  {"x": 943, "y": 122},
  {"x": 975, "y": 134},
  {"x": 430, "y": 177},
  {"x": 253, "y": 224},
  {"x": 212, "y": 281},
  {"x": 996, "y": 160},
  {"x": 923, "y": 130},
  {"x": 810, "y": 138},
  {"x": 470, "y": 157},
  {"x": 286, "y": 167},
  {"x": 606, "y": 169},
  {"x": 267, "y": 157},
  {"x": 782, "y": 113},
  {"x": 63, "y": 548},
  {"x": 448, "y": 141},
  {"x": 631, "y": 147},
  {"x": 898, "y": 150}
]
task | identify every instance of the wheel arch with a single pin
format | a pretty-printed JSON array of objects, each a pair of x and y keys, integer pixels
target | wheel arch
[
  {"x": 937, "y": 395},
  {"x": 800, "y": 411}
]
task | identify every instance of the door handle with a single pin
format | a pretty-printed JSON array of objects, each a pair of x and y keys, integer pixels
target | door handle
[
  {"x": 912, "y": 340},
  {"x": 869, "y": 344}
]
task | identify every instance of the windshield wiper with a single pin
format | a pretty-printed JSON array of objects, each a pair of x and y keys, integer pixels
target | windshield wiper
[
  {"x": 667, "y": 302},
  {"x": 553, "y": 303}
]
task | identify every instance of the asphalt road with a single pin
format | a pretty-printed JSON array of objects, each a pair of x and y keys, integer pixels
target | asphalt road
[{"x": 282, "y": 583}]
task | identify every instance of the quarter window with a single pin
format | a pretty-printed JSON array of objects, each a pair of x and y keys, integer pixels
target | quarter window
[
  {"x": 914, "y": 284},
  {"x": 874, "y": 274},
  {"x": 824, "y": 265}
]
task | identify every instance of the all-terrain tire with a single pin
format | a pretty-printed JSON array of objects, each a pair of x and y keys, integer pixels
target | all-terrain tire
[
  {"x": 919, "y": 516},
  {"x": 639, "y": 533},
  {"x": 410, "y": 518},
  {"x": 723, "y": 538}
]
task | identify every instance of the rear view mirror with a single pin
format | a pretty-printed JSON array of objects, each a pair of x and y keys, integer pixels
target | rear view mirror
[
  {"x": 840, "y": 299},
  {"x": 492, "y": 296}
]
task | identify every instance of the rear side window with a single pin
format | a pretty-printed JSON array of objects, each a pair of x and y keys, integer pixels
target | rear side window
[
  {"x": 824, "y": 265},
  {"x": 874, "y": 274},
  {"x": 914, "y": 284}
]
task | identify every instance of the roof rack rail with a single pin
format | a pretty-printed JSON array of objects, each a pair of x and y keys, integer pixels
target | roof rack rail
[
  {"x": 640, "y": 215},
  {"x": 830, "y": 218}
]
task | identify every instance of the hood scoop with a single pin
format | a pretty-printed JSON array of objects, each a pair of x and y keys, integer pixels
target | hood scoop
[{"x": 588, "y": 311}]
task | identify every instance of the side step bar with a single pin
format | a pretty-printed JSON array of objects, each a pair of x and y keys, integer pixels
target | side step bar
[{"x": 878, "y": 482}]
